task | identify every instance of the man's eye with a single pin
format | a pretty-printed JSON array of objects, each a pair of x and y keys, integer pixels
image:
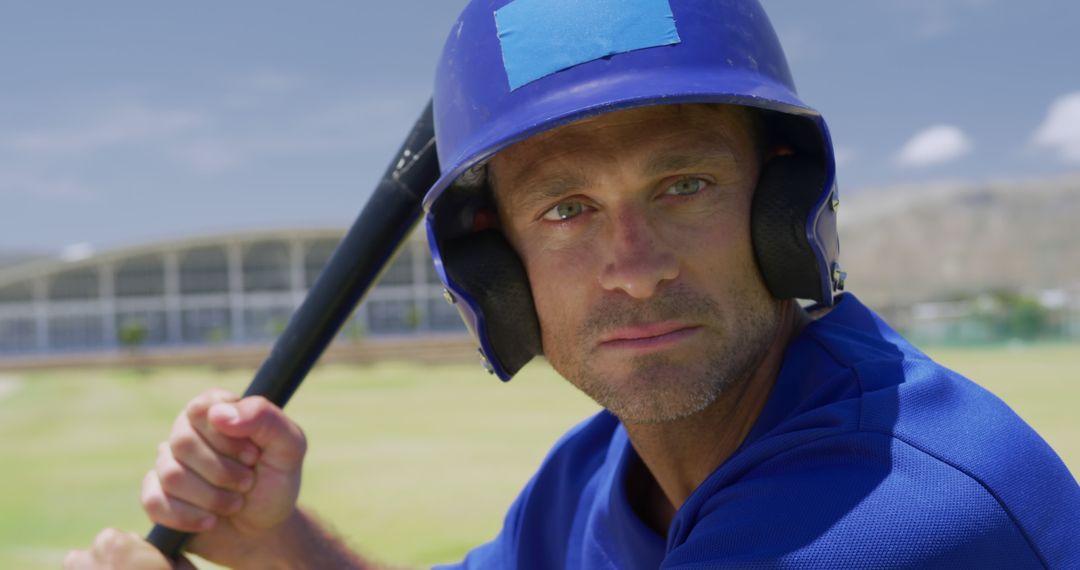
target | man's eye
[
  {"x": 564, "y": 211},
  {"x": 686, "y": 187}
]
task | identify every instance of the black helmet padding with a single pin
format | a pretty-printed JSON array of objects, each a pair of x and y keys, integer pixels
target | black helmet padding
[{"x": 486, "y": 267}]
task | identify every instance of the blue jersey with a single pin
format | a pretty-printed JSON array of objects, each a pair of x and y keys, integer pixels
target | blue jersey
[{"x": 866, "y": 455}]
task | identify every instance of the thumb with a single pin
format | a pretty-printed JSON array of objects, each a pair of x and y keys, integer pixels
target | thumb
[{"x": 279, "y": 439}]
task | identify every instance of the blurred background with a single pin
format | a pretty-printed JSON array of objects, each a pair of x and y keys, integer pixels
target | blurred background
[{"x": 173, "y": 178}]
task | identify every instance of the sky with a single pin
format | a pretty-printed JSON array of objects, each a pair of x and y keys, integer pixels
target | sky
[{"x": 125, "y": 122}]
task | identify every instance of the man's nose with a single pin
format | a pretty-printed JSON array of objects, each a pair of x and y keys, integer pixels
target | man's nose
[{"x": 637, "y": 260}]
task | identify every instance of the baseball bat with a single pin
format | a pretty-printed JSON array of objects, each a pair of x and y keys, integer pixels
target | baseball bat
[{"x": 383, "y": 224}]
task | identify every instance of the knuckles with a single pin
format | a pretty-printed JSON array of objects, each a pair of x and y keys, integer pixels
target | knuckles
[
  {"x": 171, "y": 475},
  {"x": 184, "y": 444},
  {"x": 108, "y": 539},
  {"x": 271, "y": 419},
  {"x": 152, "y": 499},
  {"x": 157, "y": 508},
  {"x": 198, "y": 407}
]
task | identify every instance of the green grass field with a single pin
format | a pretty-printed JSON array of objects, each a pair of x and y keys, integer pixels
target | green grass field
[{"x": 413, "y": 463}]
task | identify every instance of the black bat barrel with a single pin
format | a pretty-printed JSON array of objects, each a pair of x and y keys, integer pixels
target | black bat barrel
[{"x": 384, "y": 223}]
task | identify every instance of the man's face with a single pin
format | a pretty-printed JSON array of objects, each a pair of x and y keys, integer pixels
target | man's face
[{"x": 634, "y": 228}]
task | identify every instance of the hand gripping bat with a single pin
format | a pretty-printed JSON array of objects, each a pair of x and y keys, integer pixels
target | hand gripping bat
[{"x": 384, "y": 223}]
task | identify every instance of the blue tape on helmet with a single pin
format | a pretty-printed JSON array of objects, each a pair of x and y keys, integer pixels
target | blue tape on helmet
[{"x": 540, "y": 37}]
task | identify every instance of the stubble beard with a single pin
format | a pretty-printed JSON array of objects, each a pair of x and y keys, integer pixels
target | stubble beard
[{"x": 662, "y": 388}]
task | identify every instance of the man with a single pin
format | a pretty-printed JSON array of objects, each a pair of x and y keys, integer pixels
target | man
[{"x": 634, "y": 190}]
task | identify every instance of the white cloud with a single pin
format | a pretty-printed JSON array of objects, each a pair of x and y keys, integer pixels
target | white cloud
[
  {"x": 76, "y": 251},
  {"x": 934, "y": 145},
  {"x": 1060, "y": 130},
  {"x": 129, "y": 124}
]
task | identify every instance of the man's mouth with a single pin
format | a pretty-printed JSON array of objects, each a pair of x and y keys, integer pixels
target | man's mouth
[{"x": 649, "y": 336}]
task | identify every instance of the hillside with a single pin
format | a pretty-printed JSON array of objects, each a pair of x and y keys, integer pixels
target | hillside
[
  {"x": 9, "y": 258},
  {"x": 909, "y": 244}
]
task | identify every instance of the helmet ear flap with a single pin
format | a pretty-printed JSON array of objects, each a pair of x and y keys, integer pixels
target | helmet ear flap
[
  {"x": 486, "y": 268},
  {"x": 787, "y": 191}
]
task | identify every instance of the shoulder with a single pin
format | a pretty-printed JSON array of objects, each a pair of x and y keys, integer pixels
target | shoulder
[
  {"x": 873, "y": 452},
  {"x": 944, "y": 427},
  {"x": 854, "y": 500},
  {"x": 895, "y": 390}
]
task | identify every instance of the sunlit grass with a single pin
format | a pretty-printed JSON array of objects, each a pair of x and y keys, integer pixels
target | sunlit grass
[{"x": 414, "y": 464}]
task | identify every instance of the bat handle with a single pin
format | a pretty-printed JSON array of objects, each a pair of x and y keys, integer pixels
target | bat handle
[{"x": 168, "y": 541}]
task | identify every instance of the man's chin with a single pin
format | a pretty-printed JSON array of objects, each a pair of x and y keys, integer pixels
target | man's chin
[
  {"x": 649, "y": 411},
  {"x": 652, "y": 392}
]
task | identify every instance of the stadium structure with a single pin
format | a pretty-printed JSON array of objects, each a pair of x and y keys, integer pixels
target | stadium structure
[{"x": 227, "y": 290}]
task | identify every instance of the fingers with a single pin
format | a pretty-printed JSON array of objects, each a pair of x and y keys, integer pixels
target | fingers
[
  {"x": 172, "y": 512},
  {"x": 78, "y": 560},
  {"x": 209, "y": 463},
  {"x": 114, "y": 549},
  {"x": 195, "y": 453},
  {"x": 281, "y": 442},
  {"x": 195, "y": 445},
  {"x": 219, "y": 494},
  {"x": 197, "y": 475},
  {"x": 194, "y": 424}
]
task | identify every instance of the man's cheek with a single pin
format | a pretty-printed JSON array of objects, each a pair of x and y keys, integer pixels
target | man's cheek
[
  {"x": 559, "y": 316},
  {"x": 553, "y": 312},
  {"x": 560, "y": 284}
]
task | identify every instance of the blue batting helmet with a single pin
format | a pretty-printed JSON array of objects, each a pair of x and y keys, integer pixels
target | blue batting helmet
[{"x": 510, "y": 70}]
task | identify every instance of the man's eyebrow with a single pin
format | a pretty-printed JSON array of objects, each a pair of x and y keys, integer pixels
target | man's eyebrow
[
  {"x": 694, "y": 158},
  {"x": 536, "y": 190}
]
